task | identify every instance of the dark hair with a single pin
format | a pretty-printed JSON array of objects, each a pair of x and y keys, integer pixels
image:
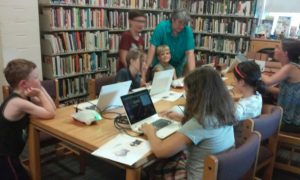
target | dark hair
[
  {"x": 17, "y": 70},
  {"x": 249, "y": 71},
  {"x": 135, "y": 13},
  {"x": 207, "y": 96},
  {"x": 292, "y": 46}
]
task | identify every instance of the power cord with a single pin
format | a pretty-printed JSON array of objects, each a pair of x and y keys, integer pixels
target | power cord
[{"x": 121, "y": 123}]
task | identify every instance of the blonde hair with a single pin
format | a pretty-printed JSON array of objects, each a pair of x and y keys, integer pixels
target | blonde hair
[{"x": 162, "y": 48}]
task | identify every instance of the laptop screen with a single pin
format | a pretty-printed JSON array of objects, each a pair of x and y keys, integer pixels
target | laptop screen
[{"x": 138, "y": 106}]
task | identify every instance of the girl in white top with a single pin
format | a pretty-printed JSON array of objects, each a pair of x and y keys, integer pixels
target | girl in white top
[{"x": 248, "y": 82}]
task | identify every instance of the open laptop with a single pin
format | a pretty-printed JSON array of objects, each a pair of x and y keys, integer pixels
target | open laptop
[
  {"x": 161, "y": 82},
  {"x": 109, "y": 97},
  {"x": 140, "y": 109}
]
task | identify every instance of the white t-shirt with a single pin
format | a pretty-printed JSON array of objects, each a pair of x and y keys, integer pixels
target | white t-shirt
[
  {"x": 248, "y": 107},
  {"x": 205, "y": 142}
]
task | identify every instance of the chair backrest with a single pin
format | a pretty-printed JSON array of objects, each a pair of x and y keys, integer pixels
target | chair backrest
[
  {"x": 242, "y": 131},
  {"x": 94, "y": 85},
  {"x": 234, "y": 164},
  {"x": 268, "y": 124},
  {"x": 49, "y": 85}
]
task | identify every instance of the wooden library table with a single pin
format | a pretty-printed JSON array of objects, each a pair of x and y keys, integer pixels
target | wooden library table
[
  {"x": 86, "y": 138},
  {"x": 89, "y": 138}
]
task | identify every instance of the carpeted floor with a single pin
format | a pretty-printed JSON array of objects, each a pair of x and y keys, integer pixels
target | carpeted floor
[{"x": 68, "y": 169}]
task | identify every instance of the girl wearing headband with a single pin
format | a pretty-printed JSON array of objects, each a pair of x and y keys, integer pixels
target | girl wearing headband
[{"x": 248, "y": 82}]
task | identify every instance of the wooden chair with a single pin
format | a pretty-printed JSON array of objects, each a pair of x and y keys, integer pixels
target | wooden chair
[
  {"x": 239, "y": 163},
  {"x": 268, "y": 126},
  {"x": 289, "y": 142},
  {"x": 50, "y": 86},
  {"x": 46, "y": 140},
  {"x": 245, "y": 129},
  {"x": 94, "y": 85}
]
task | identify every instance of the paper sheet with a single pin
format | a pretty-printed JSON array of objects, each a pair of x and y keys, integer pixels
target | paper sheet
[
  {"x": 169, "y": 96},
  {"x": 124, "y": 149}
]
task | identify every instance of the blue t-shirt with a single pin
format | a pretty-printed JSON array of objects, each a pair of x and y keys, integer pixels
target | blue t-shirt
[
  {"x": 206, "y": 141},
  {"x": 178, "y": 45},
  {"x": 124, "y": 75}
]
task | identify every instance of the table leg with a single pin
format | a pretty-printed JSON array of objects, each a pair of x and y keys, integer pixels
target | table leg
[
  {"x": 133, "y": 174},
  {"x": 34, "y": 153}
]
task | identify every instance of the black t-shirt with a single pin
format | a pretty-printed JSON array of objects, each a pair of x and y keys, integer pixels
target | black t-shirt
[{"x": 13, "y": 134}]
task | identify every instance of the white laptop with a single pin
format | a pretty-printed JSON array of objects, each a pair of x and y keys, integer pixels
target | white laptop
[
  {"x": 162, "y": 81},
  {"x": 140, "y": 109},
  {"x": 109, "y": 97}
]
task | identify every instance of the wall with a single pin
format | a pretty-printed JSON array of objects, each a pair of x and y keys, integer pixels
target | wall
[
  {"x": 290, "y": 6},
  {"x": 19, "y": 33}
]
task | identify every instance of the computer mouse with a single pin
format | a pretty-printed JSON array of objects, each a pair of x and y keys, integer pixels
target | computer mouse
[{"x": 87, "y": 116}]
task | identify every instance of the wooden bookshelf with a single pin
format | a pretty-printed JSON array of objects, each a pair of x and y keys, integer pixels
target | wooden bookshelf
[
  {"x": 69, "y": 49},
  {"x": 222, "y": 29}
]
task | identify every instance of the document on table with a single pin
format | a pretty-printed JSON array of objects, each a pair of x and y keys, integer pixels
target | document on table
[{"x": 124, "y": 149}]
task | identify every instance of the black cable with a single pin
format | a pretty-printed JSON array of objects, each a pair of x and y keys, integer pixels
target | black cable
[{"x": 121, "y": 123}]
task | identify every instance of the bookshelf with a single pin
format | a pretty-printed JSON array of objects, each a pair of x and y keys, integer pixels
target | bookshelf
[
  {"x": 222, "y": 28},
  {"x": 80, "y": 39}
]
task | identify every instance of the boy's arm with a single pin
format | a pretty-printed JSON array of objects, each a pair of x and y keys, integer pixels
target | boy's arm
[
  {"x": 37, "y": 101},
  {"x": 150, "y": 56},
  {"x": 46, "y": 107}
]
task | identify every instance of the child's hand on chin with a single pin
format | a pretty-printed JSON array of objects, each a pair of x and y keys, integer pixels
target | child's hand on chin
[{"x": 31, "y": 92}]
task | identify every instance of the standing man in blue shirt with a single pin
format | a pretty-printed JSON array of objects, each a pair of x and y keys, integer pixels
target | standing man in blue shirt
[{"x": 179, "y": 37}]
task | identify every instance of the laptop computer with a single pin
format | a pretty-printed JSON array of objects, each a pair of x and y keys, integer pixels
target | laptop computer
[
  {"x": 140, "y": 109},
  {"x": 162, "y": 81},
  {"x": 109, "y": 97}
]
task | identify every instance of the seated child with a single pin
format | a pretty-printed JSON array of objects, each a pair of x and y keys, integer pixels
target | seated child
[
  {"x": 207, "y": 126},
  {"x": 248, "y": 82},
  {"x": 164, "y": 57},
  {"x": 28, "y": 98},
  {"x": 135, "y": 62}
]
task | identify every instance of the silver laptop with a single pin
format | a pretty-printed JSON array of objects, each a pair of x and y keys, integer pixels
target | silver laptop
[
  {"x": 140, "y": 109},
  {"x": 109, "y": 97},
  {"x": 162, "y": 81}
]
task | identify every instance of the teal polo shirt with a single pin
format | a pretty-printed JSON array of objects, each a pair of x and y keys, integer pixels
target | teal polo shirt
[{"x": 178, "y": 45}]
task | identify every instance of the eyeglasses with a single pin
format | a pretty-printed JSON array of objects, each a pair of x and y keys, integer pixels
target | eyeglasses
[{"x": 139, "y": 21}]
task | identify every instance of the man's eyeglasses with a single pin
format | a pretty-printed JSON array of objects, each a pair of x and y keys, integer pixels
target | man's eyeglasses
[{"x": 139, "y": 21}]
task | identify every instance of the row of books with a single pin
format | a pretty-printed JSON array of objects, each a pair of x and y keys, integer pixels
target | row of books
[
  {"x": 72, "y": 17},
  {"x": 75, "y": 41},
  {"x": 225, "y": 7},
  {"x": 218, "y": 44},
  {"x": 87, "y": 18},
  {"x": 60, "y": 66},
  {"x": 114, "y": 41},
  {"x": 224, "y": 25},
  {"x": 207, "y": 58},
  {"x": 149, "y": 4},
  {"x": 73, "y": 87}
]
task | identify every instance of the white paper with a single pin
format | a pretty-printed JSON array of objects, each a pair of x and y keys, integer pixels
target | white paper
[
  {"x": 168, "y": 96},
  {"x": 261, "y": 65},
  {"x": 124, "y": 149}
]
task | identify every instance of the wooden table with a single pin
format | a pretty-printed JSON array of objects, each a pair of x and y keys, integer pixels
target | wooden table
[
  {"x": 89, "y": 138},
  {"x": 86, "y": 138}
]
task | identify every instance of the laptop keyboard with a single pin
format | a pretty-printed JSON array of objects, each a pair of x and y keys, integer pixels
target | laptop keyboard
[{"x": 160, "y": 123}]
